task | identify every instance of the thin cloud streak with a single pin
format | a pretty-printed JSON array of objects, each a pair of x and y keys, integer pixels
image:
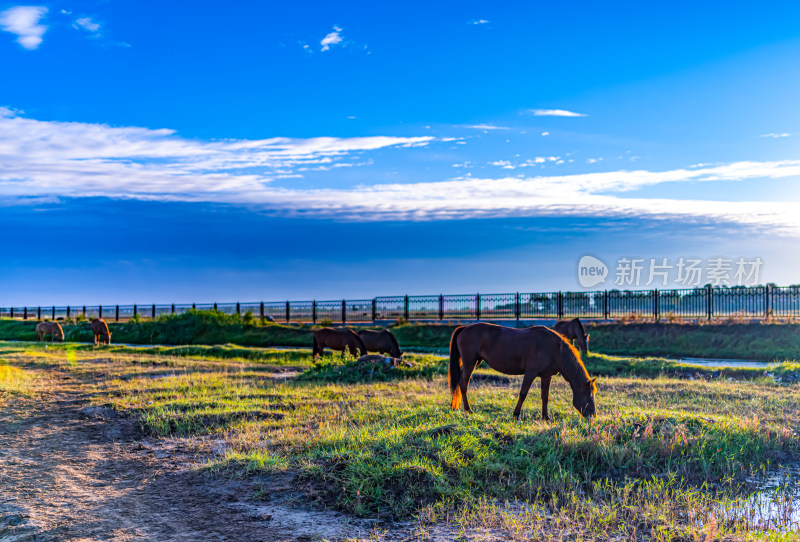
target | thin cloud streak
[{"x": 555, "y": 113}]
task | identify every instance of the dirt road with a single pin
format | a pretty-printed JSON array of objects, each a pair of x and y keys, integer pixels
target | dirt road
[{"x": 69, "y": 471}]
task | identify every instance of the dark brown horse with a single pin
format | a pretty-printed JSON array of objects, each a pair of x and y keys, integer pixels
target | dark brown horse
[
  {"x": 574, "y": 331},
  {"x": 49, "y": 328},
  {"x": 338, "y": 339},
  {"x": 534, "y": 351},
  {"x": 383, "y": 342},
  {"x": 101, "y": 333}
]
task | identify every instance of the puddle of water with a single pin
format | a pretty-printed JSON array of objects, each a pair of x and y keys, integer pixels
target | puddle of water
[{"x": 775, "y": 507}]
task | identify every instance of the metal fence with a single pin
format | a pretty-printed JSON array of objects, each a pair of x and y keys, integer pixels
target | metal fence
[{"x": 696, "y": 303}]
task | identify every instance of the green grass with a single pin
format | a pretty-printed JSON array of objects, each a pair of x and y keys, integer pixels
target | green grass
[
  {"x": 662, "y": 456},
  {"x": 765, "y": 342}
]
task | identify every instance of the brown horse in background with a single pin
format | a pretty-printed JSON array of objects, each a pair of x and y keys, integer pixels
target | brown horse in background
[
  {"x": 534, "y": 351},
  {"x": 101, "y": 332},
  {"x": 49, "y": 328},
  {"x": 575, "y": 332},
  {"x": 338, "y": 339},
  {"x": 383, "y": 342}
]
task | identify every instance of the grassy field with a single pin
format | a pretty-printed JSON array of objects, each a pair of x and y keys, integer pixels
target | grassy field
[
  {"x": 766, "y": 342},
  {"x": 666, "y": 458}
]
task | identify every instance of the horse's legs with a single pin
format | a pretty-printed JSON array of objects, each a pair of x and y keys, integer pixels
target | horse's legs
[
  {"x": 467, "y": 366},
  {"x": 523, "y": 392},
  {"x": 545, "y": 396},
  {"x": 316, "y": 349}
]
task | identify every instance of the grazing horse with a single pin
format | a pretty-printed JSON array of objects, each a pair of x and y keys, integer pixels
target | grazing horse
[
  {"x": 383, "y": 342},
  {"x": 338, "y": 339},
  {"x": 534, "y": 351},
  {"x": 100, "y": 331},
  {"x": 49, "y": 328},
  {"x": 575, "y": 332}
]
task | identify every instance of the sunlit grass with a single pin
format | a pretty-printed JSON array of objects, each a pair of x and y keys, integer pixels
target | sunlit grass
[
  {"x": 13, "y": 381},
  {"x": 659, "y": 462}
]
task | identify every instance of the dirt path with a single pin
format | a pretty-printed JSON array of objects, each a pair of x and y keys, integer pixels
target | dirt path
[{"x": 73, "y": 472}]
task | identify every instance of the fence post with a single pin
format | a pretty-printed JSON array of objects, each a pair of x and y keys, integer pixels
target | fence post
[
  {"x": 84, "y": 311},
  {"x": 605, "y": 305},
  {"x": 560, "y": 305},
  {"x": 12, "y": 312},
  {"x": 709, "y": 303},
  {"x": 655, "y": 304},
  {"x": 100, "y": 311},
  {"x": 314, "y": 311},
  {"x": 173, "y": 308},
  {"x": 116, "y": 313},
  {"x": 54, "y": 312},
  {"x": 261, "y": 310},
  {"x": 238, "y": 311},
  {"x": 288, "y": 312},
  {"x": 194, "y": 306},
  {"x": 441, "y": 307},
  {"x": 25, "y": 312},
  {"x": 39, "y": 313},
  {"x": 215, "y": 307},
  {"x": 153, "y": 311},
  {"x": 374, "y": 309},
  {"x": 477, "y": 306},
  {"x": 405, "y": 308},
  {"x": 766, "y": 301},
  {"x": 517, "y": 307}
]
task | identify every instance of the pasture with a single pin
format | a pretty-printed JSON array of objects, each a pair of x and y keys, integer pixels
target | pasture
[{"x": 272, "y": 446}]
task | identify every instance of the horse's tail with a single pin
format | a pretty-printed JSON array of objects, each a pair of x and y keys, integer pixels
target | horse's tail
[{"x": 454, "y": 370}]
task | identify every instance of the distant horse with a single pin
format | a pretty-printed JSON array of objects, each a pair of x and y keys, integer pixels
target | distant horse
[
  {"x": 383, "y": 342},
  {"x": 574, "y": 331},
  {"x": 49, "y": 328},
  {"x": 338, "y": 339},
  {"x": 534, "y": 351},
  {"x": 101, "y": 333}
]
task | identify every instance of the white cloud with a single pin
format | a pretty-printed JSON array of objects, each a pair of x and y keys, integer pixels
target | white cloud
[
  {"x": 479, "y": 21},
  {"x": 483, "y": 127},
  {"x": 24, "y": 22},
  {"x": 333, "y": 38},
  {"x": 775, "y": 136},
  {"x": 554, "y": 113},
  {"x": 74, "y": 159},
  {"x": 59, "y": 159},
  {"x": 87, "y": 24},
  {"x": 545, "y": 133}
]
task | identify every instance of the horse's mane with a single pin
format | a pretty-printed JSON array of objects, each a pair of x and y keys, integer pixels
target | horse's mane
[{"x": 573, "y": 365}]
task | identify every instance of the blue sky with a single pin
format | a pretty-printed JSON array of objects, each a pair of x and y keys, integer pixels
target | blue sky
[{"x": 177, "y": 151}]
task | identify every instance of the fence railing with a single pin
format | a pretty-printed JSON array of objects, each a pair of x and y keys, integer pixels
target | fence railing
[{"x": 697, "y": 303}]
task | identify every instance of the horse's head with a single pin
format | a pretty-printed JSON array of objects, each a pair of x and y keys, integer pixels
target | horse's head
[
  {"x": 582, "y": 344},
  {"x": 583, "y": 398}
]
